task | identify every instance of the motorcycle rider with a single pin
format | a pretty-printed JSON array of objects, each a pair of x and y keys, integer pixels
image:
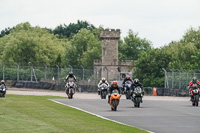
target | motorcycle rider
[
  {"x": 70, "y": 78},
  {"x": 194, "y": 81},
  {"x": 137, "y": 83},
  {"x": 3, "y": 83},
  {"x": 102, "y": 81},
  {"x": 126, "y": 79},
  {"x": 113, "y": 87}
]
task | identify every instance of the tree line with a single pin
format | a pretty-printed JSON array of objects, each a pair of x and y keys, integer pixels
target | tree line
[{"x": 78, "y": 44}]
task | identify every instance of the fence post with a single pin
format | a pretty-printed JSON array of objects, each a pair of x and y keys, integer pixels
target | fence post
[
  {"x": 45, "y": 71},
  {"x": 172, "y": 78},
  {"x": 3, "y": 71},
  {"x": 83, "y": 71},
  {"x": 96, "y": 75},
  {"x": 186, "y": 77},
  {"x": 166, "y": 80},
  {"x": 71, "y": 68},
  {"x": 32, "y": 72},
  {"x": 194, "y": 73},
  {"x": 17, "y": 72},
  {"x": 179, "y": 79},
  {"x": 58, "y": 73}
]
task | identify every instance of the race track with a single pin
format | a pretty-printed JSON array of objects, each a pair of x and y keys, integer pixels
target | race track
[{"x": 159, "y": 116}]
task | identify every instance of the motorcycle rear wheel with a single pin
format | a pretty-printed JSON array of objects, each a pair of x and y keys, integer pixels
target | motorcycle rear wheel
[{"x": 1, "y": 95}]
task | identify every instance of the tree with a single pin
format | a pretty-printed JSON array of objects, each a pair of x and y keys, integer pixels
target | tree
[
  {"x": 83, "y": 49},
  {"x": 149, "y": 67},
  {"x": 6, "y": 31},
  {"x": 182, "y": 54},
  {"x": 132, "y": 46},
  {"x": 66, "y": 31},
  {"x": 192, "y": 36},
  {"x": 30, "y": 44}
]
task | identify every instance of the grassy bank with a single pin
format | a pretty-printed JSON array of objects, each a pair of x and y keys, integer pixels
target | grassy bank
[{"x": 37, "y": 114}]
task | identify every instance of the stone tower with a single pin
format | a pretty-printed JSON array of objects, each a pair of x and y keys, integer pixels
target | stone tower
[
  {"x": 110, "y": 46},
  {"x": 109, "y": 64},
  {"x": 109, "y": 52}
]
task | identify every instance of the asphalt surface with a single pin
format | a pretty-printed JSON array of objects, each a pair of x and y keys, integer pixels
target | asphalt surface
[{"x": 159, "y": 116}]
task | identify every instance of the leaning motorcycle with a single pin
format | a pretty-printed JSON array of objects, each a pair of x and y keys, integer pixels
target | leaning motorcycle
[
  {"x": 114, "y": 100},
  {"x": 103, "y": 91},
  {"x": 195, "y": 95},
  {"x": 137, "y": 96},
  {"x": 2, "y": 90},
  {"x": 70, "y": 89},
  {"x": 128, "y": 90}
]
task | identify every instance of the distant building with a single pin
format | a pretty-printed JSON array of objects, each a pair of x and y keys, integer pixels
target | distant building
[{"x": 109, "y": 66}]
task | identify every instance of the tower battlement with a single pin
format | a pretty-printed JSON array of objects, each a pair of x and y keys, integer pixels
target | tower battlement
[
  {"x": 97, "y": 62},
  {"x": 110, "y": 34}
]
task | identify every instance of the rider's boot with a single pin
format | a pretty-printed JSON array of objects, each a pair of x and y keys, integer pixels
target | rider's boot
[{"x": 108, "y": 99}]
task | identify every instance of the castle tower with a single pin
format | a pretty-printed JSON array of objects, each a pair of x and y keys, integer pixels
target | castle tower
[
  {"x": 109, "y": 52},
  {"x": 110, "y": 46},
  {"x": 109, "y": 66}
]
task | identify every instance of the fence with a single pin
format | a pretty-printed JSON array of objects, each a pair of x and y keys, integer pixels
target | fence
[
  {"x": 177, "y": 79},
  {"x": 55, "y": 75}
]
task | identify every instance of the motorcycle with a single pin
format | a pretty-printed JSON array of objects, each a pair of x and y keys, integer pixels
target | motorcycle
[
  {"x": 114, "y": 100},
  {"x": 2, "y": 90},
  {"x": 70, "y": 89},
  {"x": 137, "y": 96},
  {"x": 128, "y": 90},
  {"x": 195, "y": 94},
  {"x": 103, "y": 91}
]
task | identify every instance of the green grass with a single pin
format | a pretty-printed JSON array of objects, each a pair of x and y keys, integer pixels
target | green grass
[{"x": 37, "y": 114}]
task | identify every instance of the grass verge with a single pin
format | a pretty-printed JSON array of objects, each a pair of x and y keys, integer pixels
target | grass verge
[{"x": 37, "y": 114}]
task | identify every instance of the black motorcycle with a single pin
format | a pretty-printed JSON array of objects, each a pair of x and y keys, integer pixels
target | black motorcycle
[
  {"x": 137, "y": 96},
  {"x": 2, "y": 90}
]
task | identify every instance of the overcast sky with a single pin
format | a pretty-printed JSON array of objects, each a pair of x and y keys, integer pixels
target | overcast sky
[{"x": 160, "y": 21}]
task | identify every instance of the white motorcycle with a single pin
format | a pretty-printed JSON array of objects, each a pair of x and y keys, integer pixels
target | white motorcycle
[
  {"x": 2, "y": 90},
  {"x": 70, "y": 87},
  {"x": 103, "y": 91}
]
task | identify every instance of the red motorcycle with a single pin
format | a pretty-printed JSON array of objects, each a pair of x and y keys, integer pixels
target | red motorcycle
[{"x": 194, "y": 90}]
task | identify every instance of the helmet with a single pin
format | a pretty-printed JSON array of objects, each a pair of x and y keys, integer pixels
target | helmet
[
  {"x": 70, "y": 73},
  {"x": 114, "y": 84},
  {"x": 2, "y": 81},
  {"x": 103, "y": 79},
  {"x": 127, "y": 77},
  {"x": 136, "y": 81},
  {"x": 194, "y": 79}
]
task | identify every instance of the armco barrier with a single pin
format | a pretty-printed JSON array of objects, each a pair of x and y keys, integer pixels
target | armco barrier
[{"x": 171, "y": 92}]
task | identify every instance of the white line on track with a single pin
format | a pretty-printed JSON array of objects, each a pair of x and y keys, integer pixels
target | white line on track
[{"x": 97, "y": 115}]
